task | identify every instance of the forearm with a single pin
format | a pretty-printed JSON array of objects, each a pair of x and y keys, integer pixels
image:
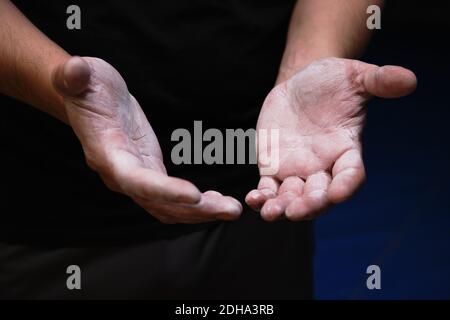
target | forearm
[
  {"x": 324, "y": 28},
  {"x": 27, "y": 60}
]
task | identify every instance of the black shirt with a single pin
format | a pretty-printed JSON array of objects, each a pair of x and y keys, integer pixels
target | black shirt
[{"x": 183, "y": 60}]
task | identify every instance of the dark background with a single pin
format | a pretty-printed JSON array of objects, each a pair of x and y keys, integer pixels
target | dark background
[{"x": 401, "y": 219}]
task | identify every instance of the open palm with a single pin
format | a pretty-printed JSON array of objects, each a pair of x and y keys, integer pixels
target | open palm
[
  {"x": 120, "y": 145},
  {"x": 319, "y": 114}
]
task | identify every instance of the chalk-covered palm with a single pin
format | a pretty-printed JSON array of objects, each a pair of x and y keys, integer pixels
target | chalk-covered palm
[
  {"x": 121, "y": 146},
  {"x": 320, "y": 114}
]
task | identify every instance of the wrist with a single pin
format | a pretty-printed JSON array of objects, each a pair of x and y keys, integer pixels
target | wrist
[
  {"x": 300, "y": 56},
  {"x": 55, "y": 96}
]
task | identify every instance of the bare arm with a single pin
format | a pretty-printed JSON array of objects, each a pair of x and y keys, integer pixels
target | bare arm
[
  {"x": 117, "y": 139},
  {"x": 27, "y": 60},
  {"x": 318, "y": 108},
  {"x": 325, "y": 28}
]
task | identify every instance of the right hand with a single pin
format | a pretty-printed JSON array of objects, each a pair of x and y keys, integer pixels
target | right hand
[{"x": 120, "y": 145}]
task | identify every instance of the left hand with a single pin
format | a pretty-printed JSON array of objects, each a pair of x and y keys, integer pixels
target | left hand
[{"x": 320, "y": 114}]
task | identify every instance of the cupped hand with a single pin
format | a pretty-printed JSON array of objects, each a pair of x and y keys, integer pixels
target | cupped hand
[
  {"x": 120, "y": 145},
  {"x": 319, "y": 114}
]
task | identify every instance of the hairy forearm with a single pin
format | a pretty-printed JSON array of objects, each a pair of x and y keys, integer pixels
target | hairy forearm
[
  {"x": 27, "y": 60},
  {"x": 324, "y": 28}
]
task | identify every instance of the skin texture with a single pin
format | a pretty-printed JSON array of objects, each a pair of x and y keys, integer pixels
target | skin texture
[
  {"x": 320, "y": 113},
  {"x": 120, "y": 145}
]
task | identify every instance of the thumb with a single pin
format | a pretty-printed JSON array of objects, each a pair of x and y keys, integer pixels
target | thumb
[
  {"x": 71, "y": 78},
  {"x": 388, "y": 81}
]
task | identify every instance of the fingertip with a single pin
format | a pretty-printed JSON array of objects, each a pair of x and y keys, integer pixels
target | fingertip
[
  {"x": 339, "y": 194},
  {"x": 253, "y": 197},
  {"x": 397, "y": 81},
  {"x": 232, "y": 211},
  {"x": 294, "y": 211},
  {"x": 271, "y": 210},
  {"x": 336, "y": 196},
  {"x": 339, "y": 191},
  {"x": 256, "y": 199},
  {"x": 345, "y": 184},
  {"x": 390, "y": 81},
  {"x": 236, "y": 205}
]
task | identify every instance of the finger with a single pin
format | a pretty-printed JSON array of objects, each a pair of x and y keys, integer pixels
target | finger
[
  {"x": 290, "y": 189},
  {"x": 216, "y": 206},
  {"x": 267, "y": 189},
  {"x": 313, "y": 200},
  {"x": 71, "y": 78},
  {"x": 233, "y": 204},
  {"x": 348, "y": 176},
  {"x": 156, "y": 186},
  {"x": 292, "y": 185},
  {"x": 274, "y": 208},
  {"x": 388, "y": 81},
  {"x": 213, "y": 206},
  {"x": 256, "y": 198}
]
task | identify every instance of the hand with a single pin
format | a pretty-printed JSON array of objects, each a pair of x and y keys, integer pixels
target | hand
[
  {"x": 120, "y": 145},
  {"x": 320, "y": 115}
]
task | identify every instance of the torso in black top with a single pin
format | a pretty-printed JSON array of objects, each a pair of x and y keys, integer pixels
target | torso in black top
[{"x": 183, "y": 60}]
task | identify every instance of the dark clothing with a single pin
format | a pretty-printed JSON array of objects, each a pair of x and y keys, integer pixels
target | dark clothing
[
  {"x": 246, "y": 260},
  {"x": 206, "y": 60}
]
